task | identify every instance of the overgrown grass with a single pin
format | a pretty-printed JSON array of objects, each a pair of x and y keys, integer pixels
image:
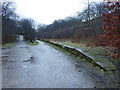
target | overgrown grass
[
  {"x": 100, "y": 54},
  {"x": 34, "y": 43},
  {"x": 8, "y": 45}
]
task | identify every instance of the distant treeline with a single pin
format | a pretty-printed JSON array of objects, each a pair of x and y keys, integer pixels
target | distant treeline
[
  {"x": 85, "y": 27},
  {"x": 12, "y": 26},
  {"x": 98, "y": 24}
]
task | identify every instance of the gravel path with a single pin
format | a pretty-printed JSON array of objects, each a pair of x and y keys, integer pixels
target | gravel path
[{"x": 40, "y": 66}]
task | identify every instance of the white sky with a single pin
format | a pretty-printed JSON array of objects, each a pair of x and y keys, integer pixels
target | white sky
[{"x": 46, "y": 11}]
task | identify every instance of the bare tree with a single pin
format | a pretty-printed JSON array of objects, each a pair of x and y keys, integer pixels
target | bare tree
[
  {"x": 28, "y": 29},
  {"x": 9, "y": 18}
]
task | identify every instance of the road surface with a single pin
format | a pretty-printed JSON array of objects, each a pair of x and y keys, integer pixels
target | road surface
[{"x": 40, "y": 66}]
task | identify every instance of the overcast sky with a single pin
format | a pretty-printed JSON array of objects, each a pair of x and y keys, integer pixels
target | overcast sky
[{"x": 46, "y": 11}]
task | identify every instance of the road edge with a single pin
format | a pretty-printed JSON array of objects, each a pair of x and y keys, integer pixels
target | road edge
[{"x": 80, "y": 53}]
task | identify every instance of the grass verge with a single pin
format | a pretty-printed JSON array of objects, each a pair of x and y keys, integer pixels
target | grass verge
[
  {"x": 104, "y": 79},
  {"x": 8, "y": 45},
  {"x": 34, "y": 43},
  {"x": 100, "y": 54}
]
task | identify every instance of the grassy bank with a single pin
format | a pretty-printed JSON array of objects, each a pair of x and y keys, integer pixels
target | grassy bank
[
  {"x": 8, "y": 45},
  {"x": 30, "y": 43},
  {"x": 100, "y": 54},
  {"x": 102, "y": 78}
]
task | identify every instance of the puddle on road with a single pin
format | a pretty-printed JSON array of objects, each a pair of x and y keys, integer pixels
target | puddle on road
[
  {"x": 15, "y": 67},
  {"x": 6, "y": 61},
  {"x": 31, "y": 60},
  {"x": 8, "y": 68},
  {"x": 23, "y": 47},
  {"x": 4, "y": 56},
  {"x": 25, "y": 66},
  {"x": 6, "y": 53}
]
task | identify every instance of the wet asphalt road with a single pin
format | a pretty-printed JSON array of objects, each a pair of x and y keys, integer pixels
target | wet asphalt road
[{"x": 40, "y": 66}]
